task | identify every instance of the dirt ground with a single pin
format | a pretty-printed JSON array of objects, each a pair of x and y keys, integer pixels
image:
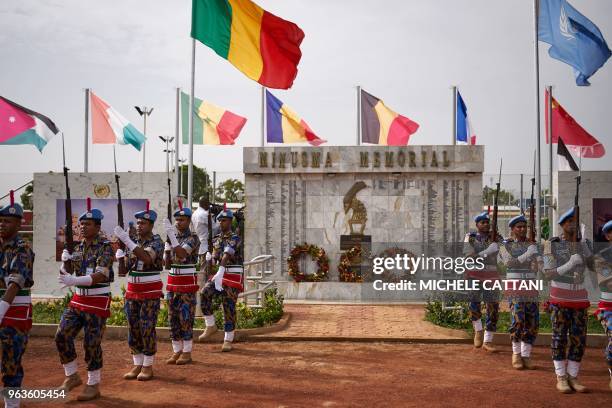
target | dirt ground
[{"x": 324, "y": 374}]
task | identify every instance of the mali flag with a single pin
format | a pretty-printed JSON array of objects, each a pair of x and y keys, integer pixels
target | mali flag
[
  {"x": 283, "y": 125},
  {"x": 264, "y": 47},
  {"x": 380, "y": 125},
  {"x": 212, "y": 125}
]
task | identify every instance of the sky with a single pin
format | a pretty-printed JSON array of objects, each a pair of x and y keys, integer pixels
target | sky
[{"x": 407, "y": 52}]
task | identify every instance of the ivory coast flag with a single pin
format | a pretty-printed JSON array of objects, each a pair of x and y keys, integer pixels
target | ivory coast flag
[
  {"x": 380, "y": 125},
  {"x": 212, "y": 125},
  {"x": 262, "y": 46},
  {"x": 109, "y": 127}
]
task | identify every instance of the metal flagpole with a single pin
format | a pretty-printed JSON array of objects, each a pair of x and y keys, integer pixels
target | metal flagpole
[
  {"x": 263, "y": 116},
  {"x": 455, "y": 116},
  {"x": 550, "y": 161},
  {"x": 536, "y": 51},
  {"x": 191, "y": 103},
  {"x": 358, "y": 115},
  {"x": 177, "y": 143},
  {"x": 86, "y": 156}
]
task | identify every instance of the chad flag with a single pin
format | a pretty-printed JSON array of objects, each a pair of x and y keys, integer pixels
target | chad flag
[
  {"x": 380, "y": 125},
  {"x": 212, "y": 125},
  {"x": 283, "y": 125},
  {"x": 264, "y": 47}
]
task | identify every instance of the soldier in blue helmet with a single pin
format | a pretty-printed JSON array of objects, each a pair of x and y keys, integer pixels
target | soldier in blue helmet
[
  {"x": 564, "y": 267},
  {"x": 90, "y": 269},
  {"x": 479, "y": 245},
  {"x": 226, "y": 283},
  {"x": 603, "y": 267},
  {"x": 181, "y": 258},
  {"x": 519, "y": 256},
  {"x": 142, "y": 262},
  {"x": 16, "y": 264}
]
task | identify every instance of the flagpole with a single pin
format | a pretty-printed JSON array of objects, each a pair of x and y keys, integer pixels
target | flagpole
[
  {"x": 455, "y": 116},
  {"x": 191, "y": 103},
  {"x": 358, "y": 115},
  {"x": 85, "y": 157},
  {"x": 176, "y": 141},
  {"x": 550, "y": 160},
  {"x": 263, "y": 115},
  {"x": 536, "y": 53}
]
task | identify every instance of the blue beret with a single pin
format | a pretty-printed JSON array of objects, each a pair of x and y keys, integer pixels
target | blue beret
[
  {"x": 568, "y": 214},
  {"x": 515, "y": 220},
  {"x": 146, "y": 215},
  {"x": 607, "y": 227},
  {"x": 185, "y": 212},
  {"x": 93, "y": 214},
  {"x": 482, "y": 216},
  {"x": 14, "y": 210},
  {"x": 227, "y": 214}
]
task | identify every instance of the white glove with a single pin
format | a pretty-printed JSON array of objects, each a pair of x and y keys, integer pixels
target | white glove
[
  {"x": 171, "y": 233},
  {"x": 531, "y": 251},
  {"x": 575, "y": 260},
  {"x": 69, "y": 280},
  {"x": 119, "y": 254},
  {"x": 218, "y": 278},
  {"x": 208, "y": 256},
  {"x": 167, "y": 247},
  {"x": 66, "y": 256},
  {"x": 4, "y": 306},
  {"x": 124, "y": 236},
  {"x": 492, "y": 249}
]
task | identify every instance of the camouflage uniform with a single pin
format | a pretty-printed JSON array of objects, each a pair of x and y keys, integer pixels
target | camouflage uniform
[
  {"x": 182, "y": 300},
  {"x": 523, "y": 305},
  {"x": 142, "y": 299},
  {"x": 603, "y": 266},
  {"x": 87, "y": 311},
  {"x": 223, "y": 243},
  {"x": 477, "y": 242},
  {"x": 16, "y": 263}
]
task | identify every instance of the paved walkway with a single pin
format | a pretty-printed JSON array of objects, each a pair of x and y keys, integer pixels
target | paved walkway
[{"x": 386, "y": 322}]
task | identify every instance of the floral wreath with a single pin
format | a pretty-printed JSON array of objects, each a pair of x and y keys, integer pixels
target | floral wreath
[
  {"x": 318, "y": 254},
  {"x": 345, "y": 271}
]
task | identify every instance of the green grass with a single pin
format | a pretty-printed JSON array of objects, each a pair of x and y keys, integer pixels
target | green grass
[
  {"x": 459, "y": 319},
  {"x": 247, "y": 317}
]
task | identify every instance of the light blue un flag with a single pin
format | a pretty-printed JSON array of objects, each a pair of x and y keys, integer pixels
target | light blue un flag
[{"x": 574, "y": 39}]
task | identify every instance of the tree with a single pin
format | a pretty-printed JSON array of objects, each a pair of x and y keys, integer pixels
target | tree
[
  {"x": 231, "y": 190},
  {"x": 26, "y": 197},
  {"x": 202, "y": 183},
  {"x": 505, "y": 197}
]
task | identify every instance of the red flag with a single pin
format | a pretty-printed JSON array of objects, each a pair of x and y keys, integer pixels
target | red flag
[{"x": 574, "y": 136}]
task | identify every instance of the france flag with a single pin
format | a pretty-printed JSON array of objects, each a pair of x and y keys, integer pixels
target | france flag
[{"x": 464, "y": 133}]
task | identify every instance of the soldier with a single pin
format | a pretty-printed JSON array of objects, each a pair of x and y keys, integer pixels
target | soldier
[
  {"x": 603, "y": 266},
  {"x": 564, "y": 266},
  {"x": 90, "y": 269},
  {"x": 16, "y": 262},
  {"x": 480, "y": 245},
  {"x": 144, "y": 290},
  {"x": 181, "y": 257},
  {"x": 226, "y": 283},
  {"x": 199, "y": 219},
  {"x": 519, "y": 257}
]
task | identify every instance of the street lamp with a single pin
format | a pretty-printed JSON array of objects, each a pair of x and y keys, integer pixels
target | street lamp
[
  {"x": 167, "y": 140},
  {"x": 144, "y": 113}
]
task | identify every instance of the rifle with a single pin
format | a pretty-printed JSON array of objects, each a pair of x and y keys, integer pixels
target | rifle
[
  {"x": 69, "y": 237},
  {"x": 577, "y": 236},
  {"x": 532, "y": 231},
  {"x": 493, "y": 234},
  {"x": 210, "y": 238},
  {"x": 119, "y": 212}
]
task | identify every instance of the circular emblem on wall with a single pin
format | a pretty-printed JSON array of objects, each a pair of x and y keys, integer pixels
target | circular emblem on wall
[{"x": 101, "y": 190}]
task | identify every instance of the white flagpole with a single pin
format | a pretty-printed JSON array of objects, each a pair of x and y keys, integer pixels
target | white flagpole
[
  {"x": 263, "y": 116},
  {"x": 177, "y": 143},
  {"x": 358, "y": 115},
  {"x": 191, "y": 103},
  {"x": 455, "y": 116},
  {"x": 550, "y": 161},
  {"x": 536, "y": 51},
  {"x": 86, "y": 156}
]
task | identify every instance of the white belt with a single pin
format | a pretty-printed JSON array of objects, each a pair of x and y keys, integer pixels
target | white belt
[
  {"x": 183, "y": 271},
  {"x": 520, "y": 275},
  {"x": 144, "y": 278},
  {"x": 234, "y": 269},
  {"x": 93, "y": 291},
  {"x": 21, "y": 300},
  {"x": 606, "y": 295},
  {"x": 568, "y": 286}
]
